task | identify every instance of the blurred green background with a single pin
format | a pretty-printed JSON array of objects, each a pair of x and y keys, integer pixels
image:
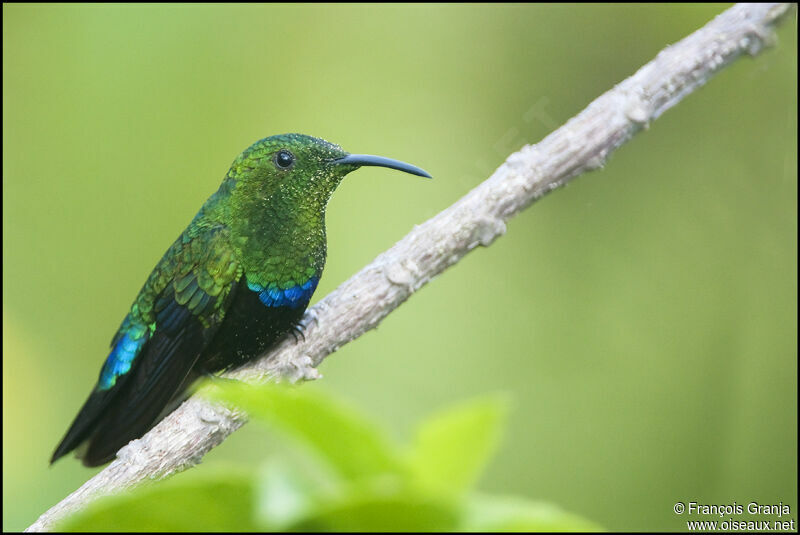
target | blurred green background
[{"x": 643, "y": 319}]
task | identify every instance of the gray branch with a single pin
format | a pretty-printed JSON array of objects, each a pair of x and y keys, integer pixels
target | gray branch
[{"x": 362, "y": 302}]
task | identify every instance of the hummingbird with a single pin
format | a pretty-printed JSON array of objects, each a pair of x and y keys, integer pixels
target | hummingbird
[{"x": 234, "y": 282}]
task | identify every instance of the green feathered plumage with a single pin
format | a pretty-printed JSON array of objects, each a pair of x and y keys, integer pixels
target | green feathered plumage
[{"x": 236, "y": 280}]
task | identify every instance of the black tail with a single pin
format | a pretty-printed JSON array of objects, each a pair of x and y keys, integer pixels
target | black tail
[
  {"x": 85, "y": 422},
  {"x": 110, "y": 419}
]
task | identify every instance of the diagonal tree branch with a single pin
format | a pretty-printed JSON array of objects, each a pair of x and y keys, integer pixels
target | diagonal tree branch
[{"x": 360, "y": 304}]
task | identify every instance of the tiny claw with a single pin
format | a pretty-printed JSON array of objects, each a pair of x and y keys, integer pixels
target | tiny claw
[{"x": 298, "y": 329}]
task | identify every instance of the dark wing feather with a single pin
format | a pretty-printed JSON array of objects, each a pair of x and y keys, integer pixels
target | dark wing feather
[
  {"x": 174, "y": 318},
  {"x": 84, "y": 422},
  {"x": 164, "y": 364}
]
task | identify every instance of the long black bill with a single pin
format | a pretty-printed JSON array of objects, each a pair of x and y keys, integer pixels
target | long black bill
[{"x": 380, "y": 161}]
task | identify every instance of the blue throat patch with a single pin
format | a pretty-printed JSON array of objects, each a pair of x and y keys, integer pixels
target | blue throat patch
[{"x": 293, "y": 297}]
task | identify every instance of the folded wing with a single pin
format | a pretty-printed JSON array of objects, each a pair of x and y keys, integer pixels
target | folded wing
[{"x": 174, "y": 318}]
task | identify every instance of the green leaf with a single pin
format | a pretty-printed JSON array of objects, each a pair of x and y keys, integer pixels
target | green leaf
[
  {"x": 220, "y": 502},
  {"x": 282, "y": 495},
  {"x": 452, "y": 447},
  {"x": 509, "y": 513},
  {"x": 375, "y": 495},
  {"x": 382, "y": 513},
  {"x": 354, "y": 446}
]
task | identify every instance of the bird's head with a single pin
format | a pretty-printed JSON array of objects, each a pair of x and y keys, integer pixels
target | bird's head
[{"x": 299, "y": 169}]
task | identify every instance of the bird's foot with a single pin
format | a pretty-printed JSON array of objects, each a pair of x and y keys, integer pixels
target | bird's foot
[{"x": 298, "y": 330}]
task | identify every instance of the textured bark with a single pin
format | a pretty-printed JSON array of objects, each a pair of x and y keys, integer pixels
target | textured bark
[{"x": 360, "y": 304}]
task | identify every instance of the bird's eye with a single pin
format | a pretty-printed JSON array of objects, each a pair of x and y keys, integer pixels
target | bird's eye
[{"x": 284, "y": 159}]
